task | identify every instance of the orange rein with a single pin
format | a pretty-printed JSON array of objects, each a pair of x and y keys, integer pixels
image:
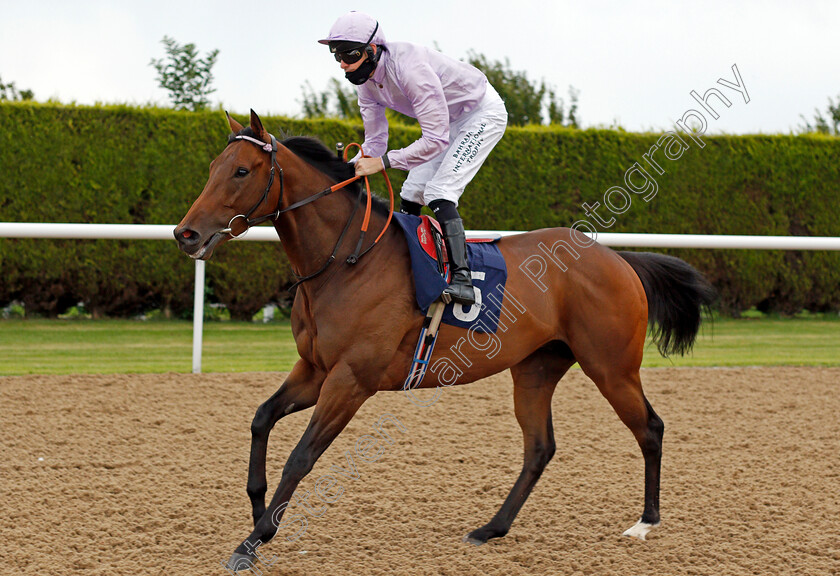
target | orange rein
[{"x": 366, "y": 220}]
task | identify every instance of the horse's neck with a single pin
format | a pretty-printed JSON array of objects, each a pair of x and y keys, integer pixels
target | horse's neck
[{"x": 310, "y": 234}]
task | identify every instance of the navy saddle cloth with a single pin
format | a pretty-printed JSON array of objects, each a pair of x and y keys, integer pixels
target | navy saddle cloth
[{"x": 488, "y": 270}]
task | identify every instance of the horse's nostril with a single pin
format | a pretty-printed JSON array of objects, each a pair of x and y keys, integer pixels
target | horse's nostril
[{"x": 186, "y": 236}]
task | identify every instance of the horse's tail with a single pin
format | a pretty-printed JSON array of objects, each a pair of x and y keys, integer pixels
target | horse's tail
[{"x": 677, "y": 295}]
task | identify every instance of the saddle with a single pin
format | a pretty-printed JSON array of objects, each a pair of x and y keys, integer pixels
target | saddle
[{"x": 430, "y": 235}]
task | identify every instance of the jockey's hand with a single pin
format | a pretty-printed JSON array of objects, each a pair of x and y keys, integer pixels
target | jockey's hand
[{"x": 368, "y": 166}]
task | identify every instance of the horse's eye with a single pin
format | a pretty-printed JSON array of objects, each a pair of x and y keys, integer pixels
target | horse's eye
[{"x": 241, "y": 172}]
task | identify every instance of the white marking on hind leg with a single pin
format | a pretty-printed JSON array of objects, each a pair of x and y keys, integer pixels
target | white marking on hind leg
[{"x": 640, "y": 530}]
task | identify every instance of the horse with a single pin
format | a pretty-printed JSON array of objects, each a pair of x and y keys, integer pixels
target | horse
[{"x": 355, "y": 320}]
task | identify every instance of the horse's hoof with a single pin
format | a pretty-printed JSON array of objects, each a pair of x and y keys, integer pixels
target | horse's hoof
[
  {"x": 468, "y": 539},
  {"x": 240, "y": 562},
  {"x": 482, "y": 535},
  {"x": 640, "y": 530}
]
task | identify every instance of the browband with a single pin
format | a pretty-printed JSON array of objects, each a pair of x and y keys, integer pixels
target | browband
[{"x": 260, "y": 143}]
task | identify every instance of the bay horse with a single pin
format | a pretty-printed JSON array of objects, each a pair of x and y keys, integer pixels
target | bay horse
[{"x": 356, "y": 326}]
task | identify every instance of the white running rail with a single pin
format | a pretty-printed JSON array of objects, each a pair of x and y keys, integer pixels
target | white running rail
[{"x": 268, "y": 234}]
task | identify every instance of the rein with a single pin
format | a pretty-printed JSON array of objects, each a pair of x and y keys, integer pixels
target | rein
[{"x": 249, "y": 222}]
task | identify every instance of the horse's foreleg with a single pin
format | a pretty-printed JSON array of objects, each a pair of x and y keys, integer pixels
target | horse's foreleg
[
  {"x": 534, "y": 381},
  {"x": 298, "y": 392},
  {"x": 340, "y": 398}
]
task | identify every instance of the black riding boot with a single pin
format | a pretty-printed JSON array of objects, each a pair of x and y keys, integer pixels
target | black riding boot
[{"x": 460, "y": 288}]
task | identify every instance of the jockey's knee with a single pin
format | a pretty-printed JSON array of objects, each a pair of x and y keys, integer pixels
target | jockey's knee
[{"x": 409, "y": 207}]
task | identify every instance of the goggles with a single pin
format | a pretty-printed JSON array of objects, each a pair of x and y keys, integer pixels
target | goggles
[{"x": 350, "y": 56}]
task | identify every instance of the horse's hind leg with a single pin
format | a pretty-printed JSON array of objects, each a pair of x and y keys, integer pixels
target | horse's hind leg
[
  {"x": 299, "y": 391},
  {"x": 651, "y": 445},
  {"x": 623, "y": 390},
  {"x": 534, "y": 380}
]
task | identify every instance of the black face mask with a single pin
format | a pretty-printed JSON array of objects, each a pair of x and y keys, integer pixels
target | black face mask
[{"x": 361, "y": 74}]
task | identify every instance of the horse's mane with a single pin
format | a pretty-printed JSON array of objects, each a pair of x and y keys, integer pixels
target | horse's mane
[{"x": 317, "y": 155}]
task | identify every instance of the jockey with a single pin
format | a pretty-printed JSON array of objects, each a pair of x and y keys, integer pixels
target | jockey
[{"x": 460, "y": 114}]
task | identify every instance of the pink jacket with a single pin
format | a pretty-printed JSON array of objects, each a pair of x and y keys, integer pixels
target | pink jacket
[{"x": 421, "y": 83}]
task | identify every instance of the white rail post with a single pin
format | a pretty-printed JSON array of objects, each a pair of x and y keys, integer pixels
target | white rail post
[{"x": 198, "y": 316}]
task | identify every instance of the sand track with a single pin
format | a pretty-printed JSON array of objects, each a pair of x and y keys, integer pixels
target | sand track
[{"x": 145, "y": 475}]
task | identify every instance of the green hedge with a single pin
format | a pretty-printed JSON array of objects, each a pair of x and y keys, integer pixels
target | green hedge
[{"x": 118, "y": 164}]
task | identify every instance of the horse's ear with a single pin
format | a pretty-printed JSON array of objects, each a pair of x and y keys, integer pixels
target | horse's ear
[
  {"x": 235, "y": 126},
  {"x": 257, "y": 127}
]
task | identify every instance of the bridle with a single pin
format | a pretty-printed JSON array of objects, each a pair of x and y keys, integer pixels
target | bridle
[
  {"x": 249, "y": 222},
  {"x": 272, "y": 148}
]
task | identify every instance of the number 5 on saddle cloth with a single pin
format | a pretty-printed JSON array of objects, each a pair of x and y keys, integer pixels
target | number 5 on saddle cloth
[{"x": 431, "y": 274}]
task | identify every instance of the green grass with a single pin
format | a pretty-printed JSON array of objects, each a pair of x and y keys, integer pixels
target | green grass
[
  {"x": 760, "y": 342},
  {"x": 130, "y": 346}
]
